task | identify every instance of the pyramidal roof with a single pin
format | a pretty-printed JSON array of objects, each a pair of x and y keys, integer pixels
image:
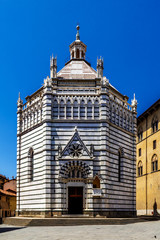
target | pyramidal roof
[{"x": 77, "y": 69}]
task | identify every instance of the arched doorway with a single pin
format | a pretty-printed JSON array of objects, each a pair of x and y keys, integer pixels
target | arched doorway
[{"x": 75, "y": 174}]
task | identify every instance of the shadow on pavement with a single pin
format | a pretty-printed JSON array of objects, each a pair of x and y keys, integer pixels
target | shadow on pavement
[{"x": 7, "y": 229}]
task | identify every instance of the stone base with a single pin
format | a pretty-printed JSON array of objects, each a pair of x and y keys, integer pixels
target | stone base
[
  {"x": 41, "y": 214},
  {"x": 50, "y": 214},
  {"x": 116, "y": 214}
]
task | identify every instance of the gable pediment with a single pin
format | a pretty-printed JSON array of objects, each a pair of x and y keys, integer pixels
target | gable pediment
[{"x": 76, "y": 149}]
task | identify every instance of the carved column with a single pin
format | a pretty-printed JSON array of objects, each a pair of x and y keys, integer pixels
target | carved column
[
  {"x": 85, "y": 110},
  {"x": 92, "y": 110},
  {"x": 58, "y": 109},
  {"x": 79, "y": 110},
  {"x": 65, "y": 110},
  {"x": 71, "y": 110},
  {"x": 74, "y": 53},
  {"x": 80, "y": 53}
]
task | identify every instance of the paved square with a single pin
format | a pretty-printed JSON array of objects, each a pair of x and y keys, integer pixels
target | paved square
[{"x": 143, "y": 231}]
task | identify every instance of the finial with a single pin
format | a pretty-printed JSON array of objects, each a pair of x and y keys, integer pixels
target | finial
[
  {"x": 20, "y": 101},
  {"x": 77, "y": 35},
  {"x": 134, "y": 96},
  {"x": 134, "y": 103}
]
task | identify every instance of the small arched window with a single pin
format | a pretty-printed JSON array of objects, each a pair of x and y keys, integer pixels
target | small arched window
[
  {"x": 61, "y": 109},
  {"x": 75, "y": 109},
  {"x": 96, "y": 109},
  {"x": 72, "y": 54},
  {"x": 82, "y": 54},
  {"x": 154, "y": 163},
  {"x": 82, "y": 109},
  {"x": 127, "y": 122},
  {"x": 77, "y": 53},
  {"x": 89, "y": 109},
  {"x": 113, "y": 114},
  {"x": 68, "y": 109},
  {"x": 155, "y": 124},
  {"x": 55, "y": 109},
  {"x": 30, "y": 163},
  {"x": 120, "y": 118},
  {"x": 96, "y": 182},
  {"x": 140, "y": 169},
  {"x": 140, "y": 134}
]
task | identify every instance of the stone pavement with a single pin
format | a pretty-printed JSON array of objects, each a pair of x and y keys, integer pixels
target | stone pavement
[{"x": 143, "y": 231}]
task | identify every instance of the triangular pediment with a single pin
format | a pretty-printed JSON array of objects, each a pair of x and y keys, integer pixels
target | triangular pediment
[{"x": 76, "y": 149}]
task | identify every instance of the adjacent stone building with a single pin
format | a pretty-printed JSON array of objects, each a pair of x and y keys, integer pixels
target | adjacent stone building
[
  {"x": 76, "y": 144},
  {"x": 148, "y": 165},
  {"x": 7, "y": 197}
]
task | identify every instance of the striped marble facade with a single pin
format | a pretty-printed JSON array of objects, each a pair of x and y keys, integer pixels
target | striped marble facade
[{"x": 75, "y": 128}]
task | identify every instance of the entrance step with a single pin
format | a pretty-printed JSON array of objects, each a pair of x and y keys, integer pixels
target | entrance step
[
  {"x": 75, "y": 216},
  {"x": 17, "y": 221},
  {"x": 24, "y": 221}
]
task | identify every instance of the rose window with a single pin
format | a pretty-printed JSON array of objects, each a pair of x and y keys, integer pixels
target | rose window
[{"x": 75, "y": 150}]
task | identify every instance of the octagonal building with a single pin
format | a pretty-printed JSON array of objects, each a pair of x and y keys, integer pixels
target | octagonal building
[{"x": 76, "y": 146}]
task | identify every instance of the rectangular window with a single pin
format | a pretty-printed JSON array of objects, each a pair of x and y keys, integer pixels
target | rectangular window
[
  {"x": 154, "y": 144},
  {"x": 139, "y": 152}
]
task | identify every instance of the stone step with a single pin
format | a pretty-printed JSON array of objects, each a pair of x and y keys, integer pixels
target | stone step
[
  {"x": 22, "y": 221},
  {"x": 16, "y": 221},
  {"x": 75, "y": 216}
]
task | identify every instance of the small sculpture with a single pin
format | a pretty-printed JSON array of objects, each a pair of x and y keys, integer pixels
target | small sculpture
[
  {"x": 91, "y": 150},
  {"x": 47, "y": 82}
]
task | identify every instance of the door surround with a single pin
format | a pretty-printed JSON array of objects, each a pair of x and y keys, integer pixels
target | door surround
[{"x": 75, "y": 184}]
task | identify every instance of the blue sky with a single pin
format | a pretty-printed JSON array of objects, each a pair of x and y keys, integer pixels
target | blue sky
[{"x": 125, "y": 32}]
